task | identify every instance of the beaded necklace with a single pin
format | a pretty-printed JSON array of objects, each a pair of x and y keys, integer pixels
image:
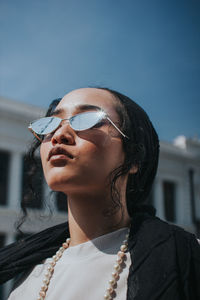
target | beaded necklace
[{"x": 121, "y": 255}]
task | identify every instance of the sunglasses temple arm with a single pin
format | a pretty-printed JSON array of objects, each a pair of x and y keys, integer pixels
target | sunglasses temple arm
[
  {"x": 117, "y": 128},
  {"x": 33, "y": 132}
]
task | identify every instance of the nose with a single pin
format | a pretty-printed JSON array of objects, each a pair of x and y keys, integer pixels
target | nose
[{"x": 64, "y": 134}]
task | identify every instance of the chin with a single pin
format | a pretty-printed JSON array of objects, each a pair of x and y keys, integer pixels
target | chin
[
  {"x": 57, "y": 186},
  {"x": 63, "y": 183}
]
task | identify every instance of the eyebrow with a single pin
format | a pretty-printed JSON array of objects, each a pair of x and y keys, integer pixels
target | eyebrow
[{"x": 81, "y": 107}]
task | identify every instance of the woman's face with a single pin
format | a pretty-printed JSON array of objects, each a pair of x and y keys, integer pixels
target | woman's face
[{"x": 81, "y": 161}]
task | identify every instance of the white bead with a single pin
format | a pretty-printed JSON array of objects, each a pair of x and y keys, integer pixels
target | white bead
[
  {"x": 117, "y": 267},
  {"x": 121, "y": 254},
  {"x": 107, "y": 296},
  {"x": 53, "y": 263},
  {"x": 112, "y": 282},
  {"x": 65, "y": 245},
  {"x": 68, "y": 240},
  {"x": 123, "y": 248},
  {"x": 42, "y": 293},
  {"x": 115, "y": 275},
  {"x": 44, "y": 287},
  {"x": 59, "y": 254},
  {"x": 119, "y": 260},
  {"x": 109, "y": 290},
  {"x": 46, "y": 281}
]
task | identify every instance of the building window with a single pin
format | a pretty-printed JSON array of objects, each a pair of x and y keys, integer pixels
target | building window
[
  {"x": 61, "y": 201},
  {"x": 4, "y": 163},
  {"x": 169, "y": 190},
  {"x": 32, "y": 180}
]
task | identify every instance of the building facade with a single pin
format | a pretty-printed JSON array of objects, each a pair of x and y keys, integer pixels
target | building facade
[{"x": 175, "y": 194}]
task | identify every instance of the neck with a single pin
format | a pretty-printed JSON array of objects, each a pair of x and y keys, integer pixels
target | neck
[{"x": 88, "y": 219}]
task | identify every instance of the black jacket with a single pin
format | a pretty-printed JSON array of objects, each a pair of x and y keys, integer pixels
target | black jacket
[
  {"x": 165, "y": 261},
  {"x": 165, "y": 258}
]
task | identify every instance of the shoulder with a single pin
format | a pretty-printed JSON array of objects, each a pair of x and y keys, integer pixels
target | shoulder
[
  {"x": 23, "y": 255},
  {"x": 171, "y": 229},
  {"x": 167, "y": 245},
  {"x": 154, "y": 232},
  {"x": 169, "y": 252},
  {"x": 181, "y": 237},
  {"x": 182, "y": 245}
]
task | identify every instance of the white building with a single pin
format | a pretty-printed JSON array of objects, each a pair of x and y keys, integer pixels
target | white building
[
  {"x": 177, "y": 185},
  {"x": 176, "y": 192}
]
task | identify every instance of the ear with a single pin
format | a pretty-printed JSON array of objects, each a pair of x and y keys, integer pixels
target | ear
[{"x": 133, "y": 169}]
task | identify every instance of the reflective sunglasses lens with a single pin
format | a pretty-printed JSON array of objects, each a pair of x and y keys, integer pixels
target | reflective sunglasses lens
[
  {"x": 45, "y": 125},
  {"x": 86, "y": 120}
]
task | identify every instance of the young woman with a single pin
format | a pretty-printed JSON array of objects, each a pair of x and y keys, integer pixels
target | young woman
[{"x": 99, "y": 148}]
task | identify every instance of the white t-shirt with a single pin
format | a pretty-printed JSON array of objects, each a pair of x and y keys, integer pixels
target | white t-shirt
[{"x": 83, "y": 272}]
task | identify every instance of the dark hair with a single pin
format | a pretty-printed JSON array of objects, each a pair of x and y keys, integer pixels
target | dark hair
[{"x": 141, "y": 150}]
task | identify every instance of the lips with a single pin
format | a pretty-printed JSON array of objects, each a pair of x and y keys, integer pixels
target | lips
[{"x": 59, "y": 152}]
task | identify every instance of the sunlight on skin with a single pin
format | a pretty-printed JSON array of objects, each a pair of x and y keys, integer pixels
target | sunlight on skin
[{"x": 94, "y": 153}]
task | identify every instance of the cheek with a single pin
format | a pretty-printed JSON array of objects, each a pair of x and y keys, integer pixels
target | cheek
[{"x": 103, "y": 158}]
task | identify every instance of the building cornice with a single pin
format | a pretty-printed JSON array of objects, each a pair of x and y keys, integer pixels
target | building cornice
[{"x": 20, "y": 110}]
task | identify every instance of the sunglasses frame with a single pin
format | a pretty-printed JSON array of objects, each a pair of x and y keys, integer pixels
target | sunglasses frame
[{"x": 104, "y": 116}]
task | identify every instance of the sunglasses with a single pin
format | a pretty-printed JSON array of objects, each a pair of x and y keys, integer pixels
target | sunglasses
[{"x": 79, "y": 122}]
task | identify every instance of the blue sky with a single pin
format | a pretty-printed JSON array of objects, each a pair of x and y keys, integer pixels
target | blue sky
[{"x": 149, "y": 50}]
